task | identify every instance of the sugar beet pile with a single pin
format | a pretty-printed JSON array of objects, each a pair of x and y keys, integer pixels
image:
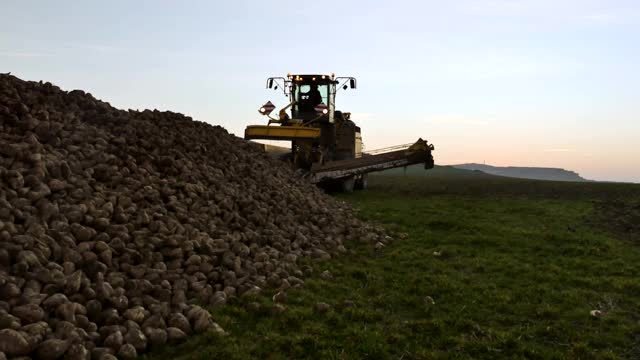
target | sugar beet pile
[{"x": 114, "y": 224}]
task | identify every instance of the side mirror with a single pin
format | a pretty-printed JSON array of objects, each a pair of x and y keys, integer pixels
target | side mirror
[
  {"x": 270, "y": 83},
  {"x": 352, "y": 83}
]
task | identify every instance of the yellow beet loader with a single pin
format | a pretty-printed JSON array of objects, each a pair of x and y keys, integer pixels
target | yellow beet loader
[{"x": 326, "y": 144}]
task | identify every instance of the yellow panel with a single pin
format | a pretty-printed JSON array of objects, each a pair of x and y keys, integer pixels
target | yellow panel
[{"x": 280, "y": 132}]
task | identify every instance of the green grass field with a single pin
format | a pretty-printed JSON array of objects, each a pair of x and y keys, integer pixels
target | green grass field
[{"x": 514, "y": 268}]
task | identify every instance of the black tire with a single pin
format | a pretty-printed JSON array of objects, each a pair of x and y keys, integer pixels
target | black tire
[
  {"x": 364, "y": 183},
  {"x": 361, "y": 183}
]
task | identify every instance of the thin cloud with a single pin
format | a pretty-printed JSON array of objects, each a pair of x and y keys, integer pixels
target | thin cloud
[
  {"x": 503, "y": 7},
  {"x": 587, "y": 11},
  {"x": 99, "y": 48},
  {"x": 25, "y": 54},
  {"x": 105, "y": 48},
  {"x": 600, "y": 18},
  {"x": 120, "y": 50},
  {"x": 603, "y": 16}
]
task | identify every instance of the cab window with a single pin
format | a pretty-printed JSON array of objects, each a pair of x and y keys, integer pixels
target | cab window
[{"x": 302, "y": 96}]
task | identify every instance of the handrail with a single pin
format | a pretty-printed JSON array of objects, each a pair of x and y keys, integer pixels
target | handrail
[{"x": 388, "y": 149}]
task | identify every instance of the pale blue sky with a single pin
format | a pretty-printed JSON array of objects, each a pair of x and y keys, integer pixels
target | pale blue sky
[{"x": 522, "y": 82}]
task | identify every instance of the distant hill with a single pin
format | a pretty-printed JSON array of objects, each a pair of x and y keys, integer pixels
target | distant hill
[
  {"x": 536, "y": 173},
  {"x": 480, "y": 170},
  {"x": 437, "y": 171}
]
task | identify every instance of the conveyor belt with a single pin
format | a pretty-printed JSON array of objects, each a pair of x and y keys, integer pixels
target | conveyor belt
[{"x": 370, "y": 163}]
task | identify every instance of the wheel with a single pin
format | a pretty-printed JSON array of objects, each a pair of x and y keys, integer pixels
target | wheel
[
  {"x": 364, "y": 183},
  {"x": 361, "y": 183},
  {"x": 348, "y": 184}
]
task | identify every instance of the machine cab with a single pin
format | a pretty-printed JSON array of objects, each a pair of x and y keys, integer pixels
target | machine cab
[
  {"x": 309, "y": 91},
  {"x": 311, "y": 98}
]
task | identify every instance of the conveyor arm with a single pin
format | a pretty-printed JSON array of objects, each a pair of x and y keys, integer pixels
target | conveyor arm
[{"x": 418, "y": 153}]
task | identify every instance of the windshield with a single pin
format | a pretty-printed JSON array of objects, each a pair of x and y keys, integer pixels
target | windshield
[{"x": 307, "y": 96}]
